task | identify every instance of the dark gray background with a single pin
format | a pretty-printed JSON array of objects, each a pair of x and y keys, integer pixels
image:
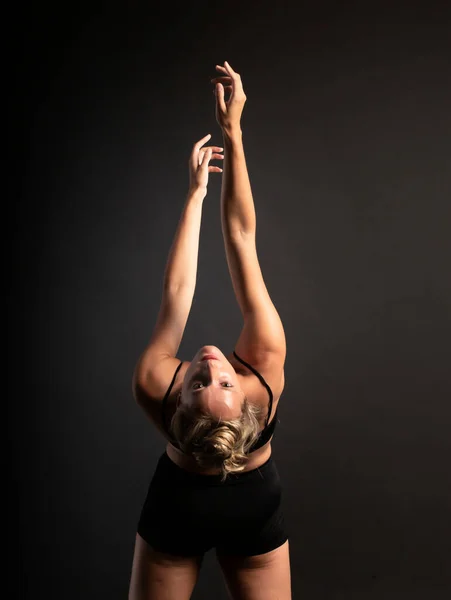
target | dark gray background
[{"x": 347, "y": 135}]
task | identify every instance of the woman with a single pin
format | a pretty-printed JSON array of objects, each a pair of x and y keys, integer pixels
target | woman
[{"x": 216, "y": 485}]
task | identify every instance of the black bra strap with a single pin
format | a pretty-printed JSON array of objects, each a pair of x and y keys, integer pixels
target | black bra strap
[
  {"x": 163, "y": 402},
  {"x": 261, "y": 380}
]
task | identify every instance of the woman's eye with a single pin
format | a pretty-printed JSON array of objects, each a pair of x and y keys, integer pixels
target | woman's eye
[{"x": 225, "y": 383}]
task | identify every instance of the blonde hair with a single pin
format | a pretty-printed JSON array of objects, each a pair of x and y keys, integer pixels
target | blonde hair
[{"x": 216, "y": 443}]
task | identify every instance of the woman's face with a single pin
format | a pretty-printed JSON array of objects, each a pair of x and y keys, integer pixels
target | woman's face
[{"x": 212, "y": 385}]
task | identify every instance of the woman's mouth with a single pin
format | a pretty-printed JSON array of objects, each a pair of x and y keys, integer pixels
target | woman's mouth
[{"x": 209, "y": 357}]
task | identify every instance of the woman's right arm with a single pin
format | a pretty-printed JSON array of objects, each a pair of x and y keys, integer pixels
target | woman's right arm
[
  {"x": 237, "y": 205},
  {"x": 262, "y": 338}
]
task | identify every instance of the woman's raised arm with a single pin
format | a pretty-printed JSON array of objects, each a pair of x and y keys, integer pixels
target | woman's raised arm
[
  {"x": 237, "y": 205},
  {"x": 262, "y": 338},
  {"x": 181, "y": 267},
  {"x": 179, "y": 280}
]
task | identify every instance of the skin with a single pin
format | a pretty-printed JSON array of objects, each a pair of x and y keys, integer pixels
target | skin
[{"x": 212, "y": 385}]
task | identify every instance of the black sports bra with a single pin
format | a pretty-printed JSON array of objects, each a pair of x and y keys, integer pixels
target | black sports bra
[{"x": 263, "y": 437}]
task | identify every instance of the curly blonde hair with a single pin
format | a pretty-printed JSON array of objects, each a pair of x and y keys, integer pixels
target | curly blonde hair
[{"x": 216, "y": 443}]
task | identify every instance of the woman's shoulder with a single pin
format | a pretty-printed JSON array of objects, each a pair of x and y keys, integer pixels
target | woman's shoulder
[
  {"x": 272, "y": 373},
  {"x": 151, "y": 393}
]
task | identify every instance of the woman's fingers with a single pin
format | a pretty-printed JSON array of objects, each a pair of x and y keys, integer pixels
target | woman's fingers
[
  {"x": 204, "y": 164},
  {"x": 212, "y": 157},
  {"x": 227, "y": 85},
  {"x": 227, "y": 79},
  {"x": 233, "y": 74},
  {"x": 214, "y": 149},
  {"x": 227, "y": 88},
  {"x": 215, "y": 153},
  {"x": 197, "y": 146},
  {"x": 220, "y": 102},
  {"x": 199, "y": 162},
  {"x": 236, "y": 79},
  {"x": 201, "y": 142},
  {"x": 204, "y": 156},
  {"x": 229, "y": 69}
]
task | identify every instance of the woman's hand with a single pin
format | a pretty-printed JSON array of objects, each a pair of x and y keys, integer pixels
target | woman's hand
[
  {"x": 199, "y": 166},
  {"x": 228, "y": 114}
]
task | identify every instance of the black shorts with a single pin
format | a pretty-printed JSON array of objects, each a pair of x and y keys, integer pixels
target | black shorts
[{"x": 187, "y": 514}]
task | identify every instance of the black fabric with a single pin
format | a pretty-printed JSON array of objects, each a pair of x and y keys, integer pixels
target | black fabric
[
  {"x": 263, "y": 437},
  {"x": 187, "y": 514}
]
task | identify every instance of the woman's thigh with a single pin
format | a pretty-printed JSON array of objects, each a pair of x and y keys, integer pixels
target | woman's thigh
[
  {"x": 261, "y": 577},
  {"x": 161, "y": 576}
]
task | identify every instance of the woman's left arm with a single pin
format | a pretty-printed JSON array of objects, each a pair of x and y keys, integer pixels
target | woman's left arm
[{"x": 181, "y": 268}]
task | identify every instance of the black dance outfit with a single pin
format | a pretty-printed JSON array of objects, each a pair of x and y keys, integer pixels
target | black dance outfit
[{"x": 188, "y": 513}]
